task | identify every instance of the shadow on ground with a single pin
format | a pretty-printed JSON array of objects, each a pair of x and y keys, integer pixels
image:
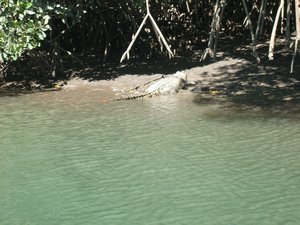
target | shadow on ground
[
  {"x": 96, "y": 71},
  {"x": 268, "y": 86}
]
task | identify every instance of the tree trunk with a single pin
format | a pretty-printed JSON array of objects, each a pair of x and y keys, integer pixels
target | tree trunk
[
  {"x": 282, "y": 18},
  {"x": 218, "y": 27},
  {"x": 161, "y": 36},
  {"x": 251, "y": 31},
  {"x": 126, "y": 53},
  {"x": 263, "y": 18},
  {"x": 209, "y": 49},
  {"x": 297, "y": 14},
  {"x": 297, "y": 18},
  {"x": 288, "y": 17},
  {"x": 157, "y": 32},
  {"x": 260, "y": 19},
  {"x": 107, "y": 40},
  {"x": 273, "y": 35}
]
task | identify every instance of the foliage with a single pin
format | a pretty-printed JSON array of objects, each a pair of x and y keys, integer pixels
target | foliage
[
  {"x": 64, "y": 28},
  {"x": 23, "y": 25}
]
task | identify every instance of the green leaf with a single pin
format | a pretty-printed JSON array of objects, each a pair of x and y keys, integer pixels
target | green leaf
[
  {"x": 30, "y": 46},
  {"x": 28, "y": 5},
  {"x": 46, "y": 19},
  {"x": 41, "y": 35},
  {"x": 29, "y": 12},
  {"x": 21, "y": 16},
  {"x": 1, "y": 58}
]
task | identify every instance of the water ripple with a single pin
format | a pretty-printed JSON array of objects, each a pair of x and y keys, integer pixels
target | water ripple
[{"x": 67, "y": 160}]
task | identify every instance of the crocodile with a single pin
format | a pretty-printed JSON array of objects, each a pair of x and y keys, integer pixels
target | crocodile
[{"x": 165, "y": 85}]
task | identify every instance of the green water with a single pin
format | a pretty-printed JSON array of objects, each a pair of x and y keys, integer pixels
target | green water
[{"x": 66, "y": 159}]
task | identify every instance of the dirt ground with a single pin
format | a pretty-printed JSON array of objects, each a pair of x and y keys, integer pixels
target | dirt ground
[
  {"x": 238, "y": 79},
  {"x": 209, "y": 75}
]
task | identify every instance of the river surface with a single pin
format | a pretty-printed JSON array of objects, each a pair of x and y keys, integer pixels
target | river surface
[{"x": 68, "y": 159}]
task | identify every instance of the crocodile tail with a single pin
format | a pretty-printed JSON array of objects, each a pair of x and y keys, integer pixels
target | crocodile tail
[{"x": 134, "y": 97}]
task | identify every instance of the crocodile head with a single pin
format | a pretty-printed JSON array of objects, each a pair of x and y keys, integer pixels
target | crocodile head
[{"x": 182, "y": 75}]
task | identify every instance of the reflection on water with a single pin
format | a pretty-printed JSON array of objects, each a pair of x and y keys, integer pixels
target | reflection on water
[{"x": 67, "y": 159}]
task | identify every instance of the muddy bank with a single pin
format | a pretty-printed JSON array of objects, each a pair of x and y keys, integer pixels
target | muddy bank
[
  {"x": 237, "y": 80},
  {"x": 232, "y": 79},
  {"x": 208, "y": 75}
]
